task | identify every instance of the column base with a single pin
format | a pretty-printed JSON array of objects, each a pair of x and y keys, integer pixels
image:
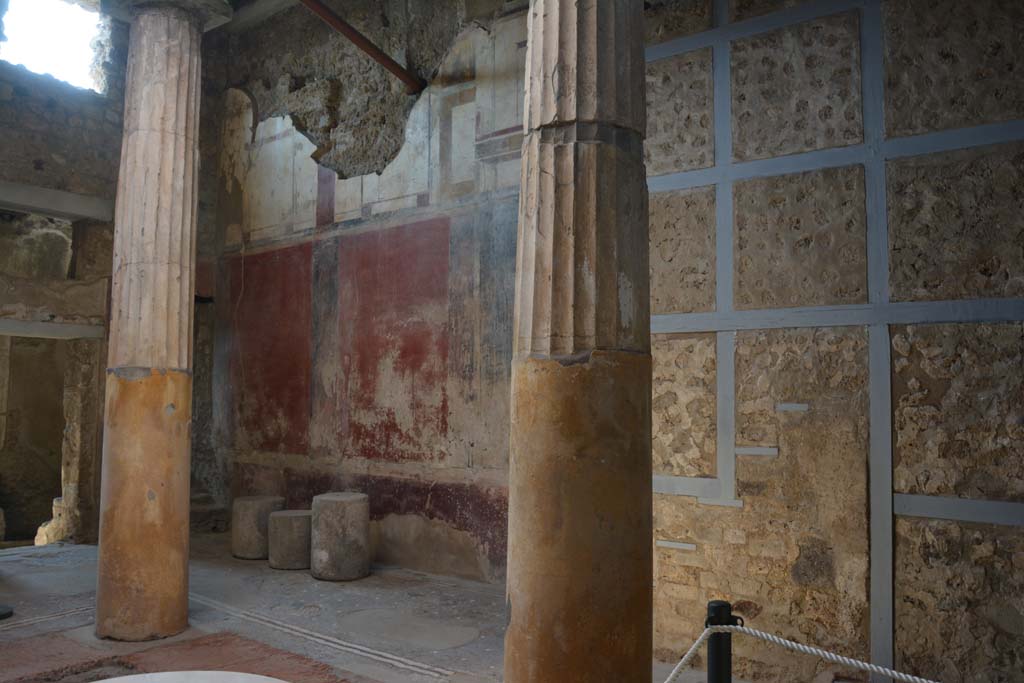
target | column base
[
  {"x": 580, "y": 548},
  {"x": 142, "y": 577}
]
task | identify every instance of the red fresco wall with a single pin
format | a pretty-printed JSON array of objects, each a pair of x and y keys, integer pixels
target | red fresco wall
[
  {"x": 377, "y": 378},
  {"x": 393, "y": 302},
  {"x": 271, "y": 349}
]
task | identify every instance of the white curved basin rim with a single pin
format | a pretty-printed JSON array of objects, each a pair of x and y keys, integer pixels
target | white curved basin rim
[{"x": 195, "y": 677}]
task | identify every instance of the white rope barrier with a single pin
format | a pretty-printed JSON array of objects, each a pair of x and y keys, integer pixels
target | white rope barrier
[{"x": 790, "y": 645}]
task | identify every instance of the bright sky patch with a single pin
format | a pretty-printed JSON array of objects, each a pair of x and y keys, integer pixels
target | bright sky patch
[{"x": 51, "y": 37}]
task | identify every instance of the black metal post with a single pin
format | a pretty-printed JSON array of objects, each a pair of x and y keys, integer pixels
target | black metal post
[{"x": 720, "y": 644}]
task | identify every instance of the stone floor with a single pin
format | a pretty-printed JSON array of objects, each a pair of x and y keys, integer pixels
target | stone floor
[{"x": 395, "y": 626}]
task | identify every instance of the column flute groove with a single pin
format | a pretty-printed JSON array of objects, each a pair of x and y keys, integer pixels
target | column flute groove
[
  {"x": 580, "y": 565},
  {"x": 142, "y": 582}
]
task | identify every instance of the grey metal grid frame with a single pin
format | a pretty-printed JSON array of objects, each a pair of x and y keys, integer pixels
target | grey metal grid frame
[{"x": 877, "y": 315}]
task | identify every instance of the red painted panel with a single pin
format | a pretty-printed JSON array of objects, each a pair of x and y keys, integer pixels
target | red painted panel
[
  {"x": 393, "y": 299},
  {"x": 271, "y": 321}
]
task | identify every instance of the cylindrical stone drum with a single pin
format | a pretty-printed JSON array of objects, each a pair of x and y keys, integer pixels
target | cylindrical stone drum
[
  {"x": 288, "y": 534},
  {"x": 250, "y": 516},
  {"x": 340, "y": 540}
]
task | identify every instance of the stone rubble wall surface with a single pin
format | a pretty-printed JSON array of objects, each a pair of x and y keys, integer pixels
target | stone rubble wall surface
[{"x": 795, "y": 557}]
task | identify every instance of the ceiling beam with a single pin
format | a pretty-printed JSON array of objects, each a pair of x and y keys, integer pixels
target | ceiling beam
[{"x": 56, "y": 203}]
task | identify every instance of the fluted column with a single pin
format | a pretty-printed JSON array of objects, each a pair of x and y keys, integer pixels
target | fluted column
[
  {"x": 579, "y": 566},
  {"x": 142, "y": 587}
]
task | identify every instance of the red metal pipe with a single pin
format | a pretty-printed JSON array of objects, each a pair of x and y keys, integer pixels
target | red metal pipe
[{"x": 346, "y": 29}]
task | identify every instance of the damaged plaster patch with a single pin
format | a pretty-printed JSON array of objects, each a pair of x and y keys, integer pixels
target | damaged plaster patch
[
  {"x": 272, "y": 161},
  {"x": 352, "y": 109}
]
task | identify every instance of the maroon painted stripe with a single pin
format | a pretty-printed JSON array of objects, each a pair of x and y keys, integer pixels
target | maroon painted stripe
[{"x": 325, "y": 182}]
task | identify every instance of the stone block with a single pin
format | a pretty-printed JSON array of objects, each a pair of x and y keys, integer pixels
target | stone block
[
  {"x": 950, "y": 64},
  {"x": 959, "y": 600},
  {"x": 957, "y": 410},
  {"x": 684, "y": 411},
  {"x": 801, "y": 240},
  {"x": 797, "y": 89},
  {"x": 665, "y": 20},
  {"x": 680, "y": 113},
  {"x": 956, "y": 228},
  {"x": 340, "y": 541},
  {"x": 250, "y": 516},
  {"x": 682, "y": 234},
  {"x": 289, "y": 539}
]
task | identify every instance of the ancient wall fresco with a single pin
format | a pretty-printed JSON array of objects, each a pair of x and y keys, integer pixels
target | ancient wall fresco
[
  {"x": 271, "y": 160},
  {"x": 435, "y": 525},
  {"x": 418, "y": 261},
  {"x": 402, "y": 360},
  {"x": 362, "y": 377},
  {"x": 393, "y": 289},
  {"x": 270, "y": 359}
]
